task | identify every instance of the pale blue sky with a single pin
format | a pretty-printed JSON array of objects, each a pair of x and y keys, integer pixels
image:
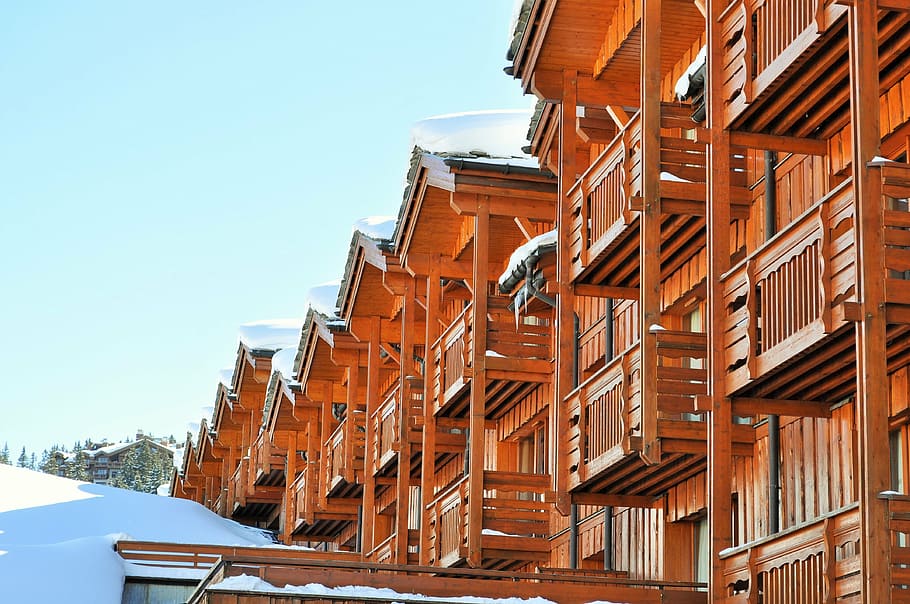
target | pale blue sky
[{"x": 169, "y": 170}]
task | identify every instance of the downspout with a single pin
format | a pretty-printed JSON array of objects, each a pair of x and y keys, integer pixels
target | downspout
[
  {"x": 608, "y": 509},
  {"x": 773, "y": 420},
  {"x": 533, "y": 291},
  {"x": 358, "y": 540}
]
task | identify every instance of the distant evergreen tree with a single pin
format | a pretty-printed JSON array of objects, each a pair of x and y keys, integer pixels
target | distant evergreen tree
[
  {"x": 23, "y": 459},
  {"x": 32, "y": 462},
  {"x": 52, "y": 461},
  {"x": 4, "y": 454},
  {"x": 76, "y": 466},
  {"x": 144, "y": 468}
]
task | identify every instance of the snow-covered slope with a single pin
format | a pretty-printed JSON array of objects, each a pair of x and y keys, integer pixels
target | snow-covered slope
[{"x": 65, "y": 529}]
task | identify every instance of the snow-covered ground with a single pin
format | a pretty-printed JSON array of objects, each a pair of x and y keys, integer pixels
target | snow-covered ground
[{"x": 57, "y": 535}]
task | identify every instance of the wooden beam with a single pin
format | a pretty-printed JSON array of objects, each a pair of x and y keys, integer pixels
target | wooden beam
[
  {"x": 618, "y": 115},
  {"x": 606, "y": 291},
  {"x": 872, "y": 393},
  {"x": 625, "y": 501},
  {"x": 465, "y": 204},
  {"x": 565, "y": 301},
  {"x": 428, "y": 443},
  {"x": 548, "y": 86},
  {"x": 419, "y": 265},
  {"x": 720, "y": 418},
  {"x": 650, "y": 226},
  {"x": 524, "y": 225},
  {"x": 785, "y": 144},
  {"x": 747, "y": 406},
  {"x": 403, "y": 493},
  {"x": 477, "y": 405}
]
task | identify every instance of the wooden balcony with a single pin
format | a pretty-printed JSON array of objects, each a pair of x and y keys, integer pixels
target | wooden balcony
[
  {"x": 250, "y": 502},
  {"x": 604, "y": 439},
  {"x": 269, "y": 462},
  {"x": 315, "y": 518},
  {"x": 606, "y": 199},
  {"x": 386, "y": 422},
  {"x": 344, "y": 456},
  {"x": 515, "y": 521},
  {"x": 384, "y": 552},
  {"x": 518, "y": 357},
  {"x": 786, "y": 69},
  {"x": 815, "y": 562},
  {"x": 779, "y": 301}
]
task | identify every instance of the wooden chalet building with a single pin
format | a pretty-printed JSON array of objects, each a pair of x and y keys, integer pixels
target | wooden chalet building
[{"x": 672, "y": 363}]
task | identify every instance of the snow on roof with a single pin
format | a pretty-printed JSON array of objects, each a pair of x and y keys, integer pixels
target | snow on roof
[
  {"x": 271, "y": 334},
  {"x": 118, "y": 447},
  {"x": 226, "y": 376},
  {"x": 525, "y": 250},
  {"x": 47, "y": 522},
  {"x": 283, "y": 362},
  {"x": 324, "y": 298},
  {"x": 377, "y": 227},
  {"x": 250, "y": 583},
  {"x": 682, "y": 84},
  {"x": 476, "y": 133}
]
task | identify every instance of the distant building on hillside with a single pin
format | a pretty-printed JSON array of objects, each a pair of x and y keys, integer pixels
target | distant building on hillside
[{"x": 105, "y": 460}]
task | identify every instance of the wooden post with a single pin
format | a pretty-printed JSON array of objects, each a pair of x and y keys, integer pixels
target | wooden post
[
  {"x": 718, "y": 244},
  {"x": 402, "y": 507},
  {"x": 290, "y": 514},
  {"x": 871, "y": 353},
  {"x": 428, "y": 451},
  {"x": 350, "y": 430},
  {"x": 373, "y": 402},
  {"x": 649, "y": 249},
  {"x": 565, "y": 301},
  {"x": 477, "y": 418}
]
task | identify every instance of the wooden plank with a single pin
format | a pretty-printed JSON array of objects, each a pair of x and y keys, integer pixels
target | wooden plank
[{"x": 746, "y": 407}]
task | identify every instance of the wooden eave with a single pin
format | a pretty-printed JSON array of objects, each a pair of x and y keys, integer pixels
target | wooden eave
[
  {"x": 681, "y": 26},
  {"x": 366, "y": 294},
  {"x": 562, "y": 34}
]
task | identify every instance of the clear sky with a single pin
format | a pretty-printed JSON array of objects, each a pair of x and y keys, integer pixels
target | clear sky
[{"x": 170, "y": 170}]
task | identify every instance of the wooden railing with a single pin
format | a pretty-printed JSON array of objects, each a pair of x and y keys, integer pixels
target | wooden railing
[
  {"x": 446, "y": 517},
  {"x": 516, "y": 517},
  {"x": 268, "y": 456},
  {"x": 385, "y": 430},
  {"x": 201, "y": 556},
  {"x": 518, "y": 351},
  {"x": 895, "y": 179},
  {"x": 305, "y": 492},
  {"x": 604, "y": 201},
  {"x": 605, "y": 413},
  {"x": 450, "y": 357},
  {"x": 778, "y": 301},
  {"x": 814, "y": 562},
  {"x": 239, "y": 484},
  {"x": 344, "y": 450},
  {"x": 763, "y": 38},
  {"x": 899, "y": 527}
]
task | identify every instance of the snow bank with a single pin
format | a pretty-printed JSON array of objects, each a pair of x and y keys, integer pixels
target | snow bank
[
  {"x": 80, "y": 571},
  {"x": 271, "y": 334},
  {"x": 323, "y": 298},
  {"x": 377, "y": 227},
  {"x": 489, "y": 133},
  {"x": 67, "y": 528},
  {"x": 356, "y": 592}
]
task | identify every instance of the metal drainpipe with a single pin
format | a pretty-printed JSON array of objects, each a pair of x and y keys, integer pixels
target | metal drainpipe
[
  {"x": 773, "y": 420},
  {"x": 532, "y": 290},
  {"x": 358, "y": 541},
  {"x": 608, "y": 509}
]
